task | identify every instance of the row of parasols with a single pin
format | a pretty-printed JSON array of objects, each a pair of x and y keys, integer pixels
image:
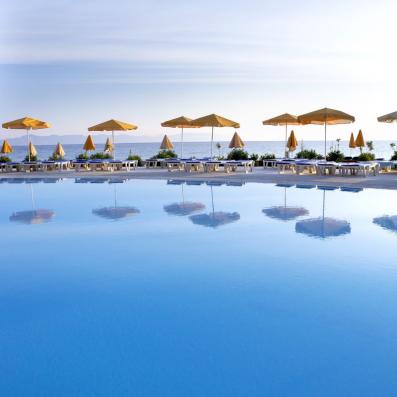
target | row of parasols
[{"x": 325, "y": 117}]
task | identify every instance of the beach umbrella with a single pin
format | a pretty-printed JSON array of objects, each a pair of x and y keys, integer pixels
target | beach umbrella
[
  {"x": 285, "y": 119},
  {"x": 323, "y": 227},
  {"x": 388, "y": 118},
  {"x": 59, "y": 151},
  {"x": 284, "y": 212},
  {"x": 166, "y": 144},
  {"x": 113, "y": 125},
  {"x": 236, "y": 142},
  {"x": 387, "y": 222},
  {"x": 28, "y": 124},
  {"x": 32, "y": 150},
  {"x": 213, "y": 120},
  {"x": 292, "y": 142},
  {"x": 108, "y": 146},
  {"x": 352, "y": 142},
  {"x": 89, "y": 144},
  {"x": 184, "y": 208},
  {"x": 360, "y": 143},
  {"x": 6, "y": 148},
  {"x": 179, "y": 122},
  {"x": 326, "y": 117},
  {"x": 215, "y": 218}
]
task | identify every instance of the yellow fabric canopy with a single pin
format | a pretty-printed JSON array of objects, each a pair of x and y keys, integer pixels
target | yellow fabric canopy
[
  {"x": 352, "y": 142},
  {"x": 326, "y": 116},
  {"x": 292, "y": 143},
  {"x": 6, "y": 148},
  {"x": 179, "y": 122},
  {"x": 89, "y": 144},
  {"x": 113, "y": 125},
  {"x": 59, "y": 151},
  {"x": 283, "y": 119},
  {"x": 26, "y": 123},
  {"x": 166, "y": 144},
  {"x": 32, "y": 150},
  {"x": 108, "y": 146},
  {"x": 236, "y": 142},
  {"x": 360, "y": 139},
  {"x": 213, "y": 120},
  {"x": 388, "y": 118}
]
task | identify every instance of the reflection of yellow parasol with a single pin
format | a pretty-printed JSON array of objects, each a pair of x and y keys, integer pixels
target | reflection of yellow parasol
[
  {"x": 323, "y": 227},
  {"x": 326, "y": 117},
  {"x": 179, "y": 122},
  {"x": 236, "y": 142},
  {"x": 213, "y": 120},
  {"x": 89, "y": 144},
  {"x": 28, "y": 124},
  {"x": 285, "y": 119},
  {"x": 113, "y": 125},
  {"x": 214, "y": 218},
  {"x": 166, "y": 143}
]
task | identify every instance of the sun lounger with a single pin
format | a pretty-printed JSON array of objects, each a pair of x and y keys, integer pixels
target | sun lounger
[
  {"x": 285, "y": 166},
  {"x": 326, "y": 168},
  {"x": 212, "y": 165},
  {"x": 355, "y": 169},
  {"x": 269, "y": 163},
  {"x": 234, "y": 165},
  {"x": 174, "y": 165},
  {"x": 305, "y": 165},
  {"x": 194, "y": 165}
]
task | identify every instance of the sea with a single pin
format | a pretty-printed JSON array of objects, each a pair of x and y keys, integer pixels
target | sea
[{"x": 382, "y": 149}]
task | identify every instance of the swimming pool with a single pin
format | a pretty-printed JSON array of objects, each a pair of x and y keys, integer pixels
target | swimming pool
[{"x": 184, "y": 288}]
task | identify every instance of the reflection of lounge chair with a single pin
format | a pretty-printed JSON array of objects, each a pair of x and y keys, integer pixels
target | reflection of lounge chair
[
  {"x": 299, "y": 186},
  {"x": 351, "y": 189},
  {"x": 194, "y": 182}
]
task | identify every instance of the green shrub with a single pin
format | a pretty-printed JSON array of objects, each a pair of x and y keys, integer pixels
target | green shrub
[
  {"x": 135, "y": 157},
  {"x": 82, "y": 156},
  {"x": 4, "y": 159},
  {"x": 101, "y": 156},
  {"x": 335, "y": 155},
  {"x": 366, "y": 156},
  {"x": 254, "y": 157},
  {"x": 268, "y": 156},
  {"x": 309, "y": 154},
  {"x": 165, "y": 154},
  {"x": 55, "y": 157},
  {"x": 32, "y": 158},
  {"x": 237, "y": 154},
  {"x": 394, "y": 157}
]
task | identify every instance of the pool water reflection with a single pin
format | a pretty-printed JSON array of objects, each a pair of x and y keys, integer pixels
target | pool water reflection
[{"x": 114, "y": 287}]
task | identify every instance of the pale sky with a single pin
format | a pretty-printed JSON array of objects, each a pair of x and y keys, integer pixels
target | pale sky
[{"x": 77, "y": 63}]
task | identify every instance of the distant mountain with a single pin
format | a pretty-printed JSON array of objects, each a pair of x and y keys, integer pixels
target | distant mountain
[{"x": 38, "y": 139}]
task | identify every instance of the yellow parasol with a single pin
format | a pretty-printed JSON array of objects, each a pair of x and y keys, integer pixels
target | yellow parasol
[
  {"x": 179, "y": 122},
  {"x": 388, "y": 118},
  {"x": 285, "y": 119},
  {"x": 109, "y": 147},
  {"x": 360, "y": 143},
  {"x": 236, "y": 142},
  {"x": 89, "y": 144},
  {"x": 113, "y": 125},
  {"x": 326, "y": 117},
  {"x": 352, "y": 142},
  {"x": 59, "y": 152},
  {"x": 28, "y": 124},
  {"x": 292, "y": 142},
  {"x": 213, "y": 120},
  {"x": 32, "y": 150},
  {"x": 166, "y": 144},
  {"x": 6, "y": 148}
]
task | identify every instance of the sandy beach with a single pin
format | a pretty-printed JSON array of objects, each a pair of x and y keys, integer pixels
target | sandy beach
[{"x": 259, "y": 175}]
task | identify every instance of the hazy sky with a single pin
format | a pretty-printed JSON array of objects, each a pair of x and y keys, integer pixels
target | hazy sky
[{"x": 77, "y": 63}]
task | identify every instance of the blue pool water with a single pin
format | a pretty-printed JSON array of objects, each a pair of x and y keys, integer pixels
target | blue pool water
[{"x": 149, "y": 288}]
